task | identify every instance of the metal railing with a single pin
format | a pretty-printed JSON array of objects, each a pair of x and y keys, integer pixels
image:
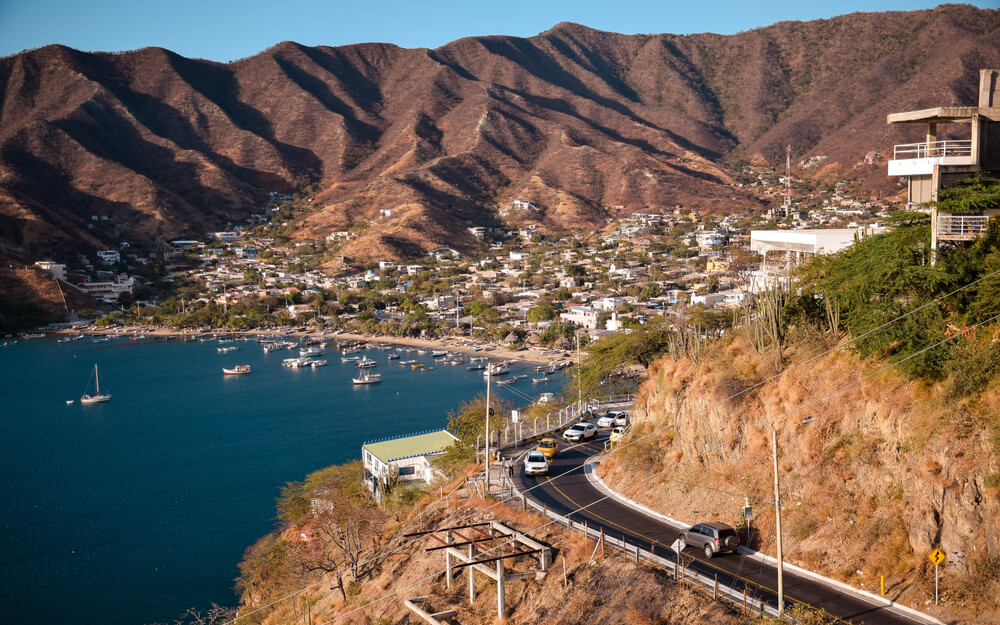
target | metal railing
[
  {"x": 514, "y": 434},
  {"x": 741, "y": 597},
  {"x": 961, "y": 226},
  {"x": 934, "y": 149}
]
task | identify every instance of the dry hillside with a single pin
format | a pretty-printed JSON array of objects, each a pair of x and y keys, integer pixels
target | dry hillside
[
  {"x": 872, "y": 478},
  {"x": 578, "y": 121}
]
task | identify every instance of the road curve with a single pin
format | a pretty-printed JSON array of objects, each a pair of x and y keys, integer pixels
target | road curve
[{"x": 567, "y": 490}]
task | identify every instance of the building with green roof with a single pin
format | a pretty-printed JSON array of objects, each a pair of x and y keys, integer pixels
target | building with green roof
[{"x": 410, "y": 456}]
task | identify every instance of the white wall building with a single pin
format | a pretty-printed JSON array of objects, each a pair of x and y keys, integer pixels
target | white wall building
[
  {"x": 109, "y": 257},
  {"x": 410, "y": 456}
]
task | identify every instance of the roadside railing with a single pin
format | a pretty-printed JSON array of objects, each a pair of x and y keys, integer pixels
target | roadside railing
[
  {"x": 515, "y": 434},
  {"x": 665, "y": 557}
]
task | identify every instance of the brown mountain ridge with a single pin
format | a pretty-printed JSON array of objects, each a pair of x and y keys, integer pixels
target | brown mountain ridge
[{"x": 574, "y": 120}]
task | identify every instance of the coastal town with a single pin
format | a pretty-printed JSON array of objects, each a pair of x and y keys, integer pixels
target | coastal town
[{"x": 523, "y": 288}]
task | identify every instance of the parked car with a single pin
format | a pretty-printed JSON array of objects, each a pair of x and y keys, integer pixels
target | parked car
[
  {"x": 617, "y": 434},
  {"x": 549, "y": 447},
  {"x": 712, "y": 537},
  {"x": 581, "y": 431},
  {"x": 535, "y": 463},
  {"x": 612, "y": 419}
]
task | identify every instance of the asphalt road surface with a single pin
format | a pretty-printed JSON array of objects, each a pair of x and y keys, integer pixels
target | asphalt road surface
[{"x": 566, "y": 490}]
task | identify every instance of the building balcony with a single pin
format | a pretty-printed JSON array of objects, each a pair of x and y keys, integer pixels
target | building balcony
[
  {"x": 916, "y": 159},
  {"x": 960, "y": 227}
]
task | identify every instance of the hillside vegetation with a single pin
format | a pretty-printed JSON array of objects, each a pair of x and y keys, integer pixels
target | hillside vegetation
[{"x": 881, "y": 382}]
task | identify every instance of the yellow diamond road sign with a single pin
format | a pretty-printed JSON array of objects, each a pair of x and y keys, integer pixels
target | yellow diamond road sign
[{"x": 937, "y": 557}]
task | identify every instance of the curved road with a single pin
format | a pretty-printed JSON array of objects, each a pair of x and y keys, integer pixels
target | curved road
[{"x": 567, "y": 489}]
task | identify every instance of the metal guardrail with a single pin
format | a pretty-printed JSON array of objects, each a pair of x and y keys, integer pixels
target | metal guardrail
[
  {"x": 961, "y": 226},
  {"x": 934, "y": 149},
  {"x": 515, "y": 434},
  {"x": 739, "y": 598}
]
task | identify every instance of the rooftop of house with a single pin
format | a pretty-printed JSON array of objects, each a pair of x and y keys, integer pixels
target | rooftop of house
[{"x": 409, "y": 446}]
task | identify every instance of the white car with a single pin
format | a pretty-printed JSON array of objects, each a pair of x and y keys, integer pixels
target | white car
[
  {"x": 581, "y": 431},
  {"x": 612, "y": 419},
  {"x": 535, "y": 463}
]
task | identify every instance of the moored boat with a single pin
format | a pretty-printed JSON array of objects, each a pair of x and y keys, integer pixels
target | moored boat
[
  {"x": 237, "y": 370},
  {"x": 97, "y": 397},
  {"x": 367, "y": 377}
]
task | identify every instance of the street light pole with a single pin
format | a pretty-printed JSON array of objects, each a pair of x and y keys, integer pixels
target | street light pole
[{"x": 489, "y": 378}]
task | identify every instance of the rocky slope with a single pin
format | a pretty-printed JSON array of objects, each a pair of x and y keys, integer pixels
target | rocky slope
[
  {"x": 611, "y": 589},
  {"x": 872, "y": 478},
  {"x": 580, "y": 122}
]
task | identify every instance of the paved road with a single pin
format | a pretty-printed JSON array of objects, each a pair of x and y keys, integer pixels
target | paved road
[{"x": 567, "y": 490}]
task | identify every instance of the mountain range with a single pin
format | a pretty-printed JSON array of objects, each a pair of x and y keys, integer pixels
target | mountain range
[{"x": 411, "y": 147}]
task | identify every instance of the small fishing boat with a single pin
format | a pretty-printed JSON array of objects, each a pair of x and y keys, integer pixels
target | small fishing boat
[
  {"x": 540, "y": 380},
  {"x": 417, "y": 366},
  {"x": 476, "y": 368},
  {"x": 407, "y": 362},
  {"x": 367, "y": 377},
  {"x": 393, "y": 356},
  {"x": 317, "y": 363},
  {"x": 506, "y": 382},
  {"x": 226, "y": 350},
  {"x": 237, "y": 370},
  {"x": 366, "y": 363}
]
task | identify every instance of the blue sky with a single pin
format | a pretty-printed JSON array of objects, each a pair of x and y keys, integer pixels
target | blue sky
[{"x": 224, "y": 30}]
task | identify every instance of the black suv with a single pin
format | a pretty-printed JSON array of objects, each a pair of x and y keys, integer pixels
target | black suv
[{"x": 713, "y": 537}]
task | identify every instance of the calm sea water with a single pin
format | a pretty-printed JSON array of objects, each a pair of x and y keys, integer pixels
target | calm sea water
[{"x": 132, "y": 511}]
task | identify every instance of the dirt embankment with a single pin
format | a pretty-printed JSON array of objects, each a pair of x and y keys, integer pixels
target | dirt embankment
[
  {"x": 874, "y": 474},
  {"x": 609, "y": 589},
  {"x": 30, "y": 298}
]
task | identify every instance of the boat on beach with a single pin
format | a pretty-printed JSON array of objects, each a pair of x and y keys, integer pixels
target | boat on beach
[
  {"x": 97, "y": 397},
  {"x": 237, "y": 370}
]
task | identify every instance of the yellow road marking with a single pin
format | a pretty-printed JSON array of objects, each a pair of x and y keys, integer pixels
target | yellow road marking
[{"x": 705, "y": 562}]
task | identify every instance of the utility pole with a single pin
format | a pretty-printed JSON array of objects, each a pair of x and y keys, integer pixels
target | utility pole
[
  {"x": 777, "y": 524},
  {"x": 489, "y": 378}
]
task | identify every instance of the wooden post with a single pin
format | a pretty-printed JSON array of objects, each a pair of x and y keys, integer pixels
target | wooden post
[
  {"x": 715, "y": 593},
  {"x": 564, "y": 571},
  {"x": 602, "y": 541},
  {"x": 449, "y": 574},
  {"x": 309, "y": 610}
]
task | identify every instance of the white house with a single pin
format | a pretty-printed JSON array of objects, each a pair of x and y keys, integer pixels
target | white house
[
  {"x": 56, "y": 269},
  {"x": 409, "y": 456},
  {"x": 109, "y": 257},
  {"x": 583, "y": 316}
]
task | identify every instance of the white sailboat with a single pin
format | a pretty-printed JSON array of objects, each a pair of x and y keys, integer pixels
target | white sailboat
[{"x": 96, "y": 398}]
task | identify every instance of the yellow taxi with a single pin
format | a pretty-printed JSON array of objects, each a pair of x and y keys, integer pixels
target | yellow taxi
[{"x": 549, "y": 447}]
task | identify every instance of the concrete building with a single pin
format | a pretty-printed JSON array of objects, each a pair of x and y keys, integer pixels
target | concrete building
[
  {"x": 409, "y": 456},
  {"x": 109, "y": 290},
  {"x": 931, "y": 165},
  {"x": 583, "y": 316},
  {"x": 56, "y": 269},
  {"x": 791, "y": 247},
  {"x": 109, "y": 257}
]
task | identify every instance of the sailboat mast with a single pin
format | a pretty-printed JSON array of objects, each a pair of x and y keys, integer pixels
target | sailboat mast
[{"x": 97, "y": 377}]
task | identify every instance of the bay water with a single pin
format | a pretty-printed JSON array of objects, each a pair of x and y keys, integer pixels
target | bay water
[{"x": 132, "y": 511}]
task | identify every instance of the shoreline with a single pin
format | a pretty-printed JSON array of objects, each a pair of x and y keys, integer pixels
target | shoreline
[{"x": 533, "y": 355}]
